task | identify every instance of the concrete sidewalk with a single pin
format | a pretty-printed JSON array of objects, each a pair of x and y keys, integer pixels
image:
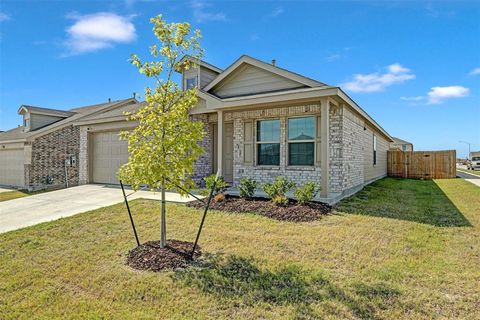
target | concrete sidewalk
[{"x": 48, "y": 206}]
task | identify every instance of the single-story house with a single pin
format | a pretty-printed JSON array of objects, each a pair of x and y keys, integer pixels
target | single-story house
[
  {"x": 45, "y": 150},
  {"x": 261, "y": 121},
  {"x": 399, "y": 144}
]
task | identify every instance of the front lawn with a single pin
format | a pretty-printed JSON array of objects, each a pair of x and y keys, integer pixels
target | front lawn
[
  {"x": 10, "y": 195},
  {"x": 370, "y": 259}
]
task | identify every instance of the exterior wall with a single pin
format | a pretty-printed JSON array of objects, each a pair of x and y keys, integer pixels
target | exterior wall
[
  {"x": 206, "y": 76},
  {"x": 49, "y": 153},
  {"x": 83, "y": 157},
  {"x": 353, "y": 157},
  {"x": 263, "y": 174},
  {"x": 371, "y": 171},
  {"x": 203, "y": 166},
  {"x": 251, "y": 80},
  {"x": 41, "y": 120}
]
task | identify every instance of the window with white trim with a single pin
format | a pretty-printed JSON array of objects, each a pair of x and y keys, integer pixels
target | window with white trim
[
  {"x": 301, "y": 141},
  {"x": 268, "y": 142},
  {"x": 191, "y": 83}
]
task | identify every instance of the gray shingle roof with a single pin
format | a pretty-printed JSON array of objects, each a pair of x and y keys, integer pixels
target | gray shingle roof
[{"x": 61, "y": 113}]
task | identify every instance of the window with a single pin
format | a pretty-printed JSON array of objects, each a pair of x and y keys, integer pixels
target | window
[
  {"x": 301, "y": 141},
  {"x": 404, "y": 147},
  {"x": 26, "y": 123},
  {"x": 374, "y": 150},
  {"x": 191, "y": 83},
  {"x": 268, "y": 142}
]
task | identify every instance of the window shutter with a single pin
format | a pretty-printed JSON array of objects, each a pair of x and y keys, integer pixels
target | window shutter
[
  {"x": 248, "y": 142},
  {"x": 318, "y": 141}
]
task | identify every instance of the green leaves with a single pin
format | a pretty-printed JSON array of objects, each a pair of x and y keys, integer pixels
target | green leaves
[{"x": 165, "y": 143}]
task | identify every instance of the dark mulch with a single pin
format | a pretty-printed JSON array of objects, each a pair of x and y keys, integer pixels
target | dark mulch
[
  {"x": 294, "y": 212},
  {"x": 149, "y": 256}
]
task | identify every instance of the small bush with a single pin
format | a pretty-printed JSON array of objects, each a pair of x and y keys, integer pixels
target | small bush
[
  {"x": 279, "y": 187},
  {"x": 280, "y": 200},
  {"x": 220, "y": 186},
  {"x": 219, "y": 197},
  {"x": 247, "y": 187},
  {"x": 306, "y": 193}
]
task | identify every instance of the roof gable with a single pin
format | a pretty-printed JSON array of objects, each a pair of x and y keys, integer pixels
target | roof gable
[{"x": 251, "y": 76}]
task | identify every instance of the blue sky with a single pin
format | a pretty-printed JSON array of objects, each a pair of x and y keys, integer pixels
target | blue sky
[{"x": 413, "y": 66}]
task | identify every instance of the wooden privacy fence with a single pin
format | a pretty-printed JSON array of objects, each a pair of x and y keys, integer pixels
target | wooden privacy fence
[{"x": 422, "y": 164}]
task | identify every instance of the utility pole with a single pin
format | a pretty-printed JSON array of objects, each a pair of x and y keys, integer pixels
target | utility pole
[{"x": 468, "y": 146}]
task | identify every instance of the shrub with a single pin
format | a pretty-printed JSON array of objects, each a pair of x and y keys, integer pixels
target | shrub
[
  {"x": 279, "y": 187},
  {"x": 280, "y": 200},
  {"x": 247, "y": 187},
  {"x": 306, "y": 193},
  {"x": 220, "y": 186},
  {"x": 219, "y": 197}
]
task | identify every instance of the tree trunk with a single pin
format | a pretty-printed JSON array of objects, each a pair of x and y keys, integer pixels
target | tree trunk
[{"x": 163, "y": 223}]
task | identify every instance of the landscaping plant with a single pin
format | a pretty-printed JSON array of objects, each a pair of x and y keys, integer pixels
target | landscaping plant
[
  {"x": 247, "y": 187},
  {"x": 279, "y": 187},
  {"x": 306, "y": 193},
  {"x": 165, "y": 144},
  {"x": 220, "y": 186}
]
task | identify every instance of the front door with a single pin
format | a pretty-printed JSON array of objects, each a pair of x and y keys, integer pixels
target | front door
[{"x": 228, "y": 152}]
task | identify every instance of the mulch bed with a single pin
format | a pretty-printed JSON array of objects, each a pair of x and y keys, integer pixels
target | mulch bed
[
  {"x": 294, "y": 212},
  {"x": 150, "y": 256}
]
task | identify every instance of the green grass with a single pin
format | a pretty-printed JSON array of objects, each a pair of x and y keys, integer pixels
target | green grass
[
  {"x": 475, "y": 172},
  {"x": 347, "y": 265},
  {"x": 9, "y": 195}
]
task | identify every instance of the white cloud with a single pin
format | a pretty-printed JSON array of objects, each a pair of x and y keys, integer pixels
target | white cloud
[
  {"x": 439, "y": 94},
  {"x": 200, "y": 13},
  {"x": 98, "y": 31},
  {"x": 414, "y": 99},
  {"x": 378, "y": 81},
  {"x": 475, "y": 72},
  {"x": 276, "y": 12},
  {"x": 4, "y": 17}
]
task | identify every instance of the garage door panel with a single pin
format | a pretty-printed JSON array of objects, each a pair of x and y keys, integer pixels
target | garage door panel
[
  {"x": 108, "y": 154},
  {"x": 12, "y": 167}
]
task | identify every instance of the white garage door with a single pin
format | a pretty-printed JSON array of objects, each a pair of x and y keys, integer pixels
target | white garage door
[
  {"x": 12, "y": 167},
  {"x": 108, "y": 154}
]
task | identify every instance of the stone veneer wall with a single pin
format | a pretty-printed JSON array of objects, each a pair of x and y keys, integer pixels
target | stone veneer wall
[
  {"x": 49, "y": 153},
  {"x": 346, "y": 132},
  {"x": 353, "y": 155},
  {"x": 83, "y": 156},
  {"x": 203, "y": 166},
  {"x": 266, "y": 174}
]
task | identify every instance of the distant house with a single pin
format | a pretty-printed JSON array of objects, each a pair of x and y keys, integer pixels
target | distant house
[
  {"x": 399, "y": 144},
  {"x": 45, "y": 150},
  {"x": 261, "y": 121}
]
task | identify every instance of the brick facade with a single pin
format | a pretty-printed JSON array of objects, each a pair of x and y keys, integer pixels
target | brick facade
[
  {"x": 203, "y": 165},
  {"x": 49, "y": 153},
  {"x": 346, "y": 143}
]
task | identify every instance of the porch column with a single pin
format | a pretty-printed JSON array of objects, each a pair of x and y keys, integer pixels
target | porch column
[
  {"x": 220, "y": 142},
  {"x": 325, "y": 148}
]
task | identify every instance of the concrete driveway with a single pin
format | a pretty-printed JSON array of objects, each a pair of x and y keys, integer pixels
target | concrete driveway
[{"x": 48, "y": 206}]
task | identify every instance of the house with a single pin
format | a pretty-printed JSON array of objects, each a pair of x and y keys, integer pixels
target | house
[
  {"x": 399, "y": 144},
  {"x": 45, "y": 150},
  {"x": 261, "y": 121}
]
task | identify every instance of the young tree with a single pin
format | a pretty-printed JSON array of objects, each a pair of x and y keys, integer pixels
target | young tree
[{"x": 165, "y": 144}]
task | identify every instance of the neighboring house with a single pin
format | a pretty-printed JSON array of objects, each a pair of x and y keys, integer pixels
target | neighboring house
[
  {"x": 399, "y": 144},
  {"x": 263, "y": 121},
  {"x": 45, "y": 150}
]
